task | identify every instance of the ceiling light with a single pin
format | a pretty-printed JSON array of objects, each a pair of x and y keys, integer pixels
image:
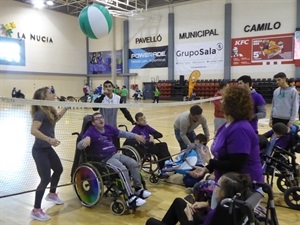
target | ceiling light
[
  {"x": 50, "y": 3},
  {"x": 38, "y": 4}
]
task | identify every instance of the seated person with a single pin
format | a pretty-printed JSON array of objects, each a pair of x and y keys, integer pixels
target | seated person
[
  {"x": 149, "y": 133},
  {"x": 100, "y": 139},
  {"x": 197, "y": 153},
  {"x": 279, "y": 136},
  {"x": 229, "y": 185}
]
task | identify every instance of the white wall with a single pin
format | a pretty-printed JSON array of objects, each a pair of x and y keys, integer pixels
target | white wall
[
  {"x": 66, "y": 55},
  {"x": 263, "y": 11},
  {"x": 198, "y": 17}
]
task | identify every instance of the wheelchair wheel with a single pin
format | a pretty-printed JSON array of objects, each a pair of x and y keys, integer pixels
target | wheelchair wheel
[
  {"x": 131, "y": 152},
  {"x": 292, "y": 197},
  {"x": 88, "y": 184},
  {"x": 283, "y": 182},
  {"x": 117, "y": 207},
  {"x": 150, "y": 164},
  {"x": 153, "y": 179}
]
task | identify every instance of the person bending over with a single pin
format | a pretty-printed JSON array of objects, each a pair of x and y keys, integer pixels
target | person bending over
[{"x": 100, "y": 139}]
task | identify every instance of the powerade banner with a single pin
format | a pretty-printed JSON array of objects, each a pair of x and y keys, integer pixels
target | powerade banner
[
  {"x": 100, "y": 62},
  {"x": 262, "y": 50},
  {"x": 152, "y": 57},
  {"x": 203, "y": 56}
]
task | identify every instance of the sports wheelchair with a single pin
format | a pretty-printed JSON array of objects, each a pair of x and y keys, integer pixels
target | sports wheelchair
[
  {"x": 281, "y": 163},
  {"x": 93, "y": 179},
  {"x": 148, "y": 159}
]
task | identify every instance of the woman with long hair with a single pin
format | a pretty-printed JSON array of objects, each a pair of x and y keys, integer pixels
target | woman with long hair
[{"x": 45, "y": 157}]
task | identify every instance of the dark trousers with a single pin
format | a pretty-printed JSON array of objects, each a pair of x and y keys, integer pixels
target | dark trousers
[
  {"x": 191, "y": 136},
  {"x": 156, "y": 98},
  {"x": 45, "y": 160},
  {"x": 277, "y": 120},
  {"x": 174, "y": 215},
  {"x": 160, "y": 150}
]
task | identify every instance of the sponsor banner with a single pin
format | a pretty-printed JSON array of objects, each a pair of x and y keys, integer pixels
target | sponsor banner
[
  {"x": 297, "y": 48},
  {"x": 152, "y": 57},
  {"x": 201, "y": 56},
  {"x": 100, "y": 62},
  {"x": 262, "y": 50}
]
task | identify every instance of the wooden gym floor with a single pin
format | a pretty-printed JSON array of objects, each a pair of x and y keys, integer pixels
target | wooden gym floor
[{"x": 18, "y": 173}]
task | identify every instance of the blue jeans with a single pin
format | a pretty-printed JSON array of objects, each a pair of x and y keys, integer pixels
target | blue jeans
[{"x": 191, "y": 136}]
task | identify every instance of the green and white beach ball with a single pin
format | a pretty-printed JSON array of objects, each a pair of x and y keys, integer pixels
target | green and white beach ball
[{"x": 95, "y": 21}]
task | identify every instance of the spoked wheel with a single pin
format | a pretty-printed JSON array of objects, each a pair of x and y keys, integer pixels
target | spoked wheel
[
  {"x": 153, "y": 179},
  {"x": 283, "y": 183},
  {"x": 131, "y": 152},
  {"x": 117, "y": 207},
  {"x": 292, "y": 197},
  {"x": 88, "y": 184},
  {"x": 150, "y": 163}
]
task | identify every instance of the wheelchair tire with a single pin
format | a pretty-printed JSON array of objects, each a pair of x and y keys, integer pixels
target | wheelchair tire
[
  {"x": 131, "y": 152},
  {"x": 283, "y": 183},
  {"x": 292, "y": 197},
  {"x": 153, "y": 179},
  {"x": 88, "y": 184},
  {"x": 117, "y": 207}
]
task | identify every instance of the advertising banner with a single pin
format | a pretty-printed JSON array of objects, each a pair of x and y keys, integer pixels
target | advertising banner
[
  {"x": 152, "y": 57},
  {"x": 100, "y": 62},
  {"x": 262, "y": 50},
  {"x": 201, "y": 56},
  {"x": 297, "y": 48}
]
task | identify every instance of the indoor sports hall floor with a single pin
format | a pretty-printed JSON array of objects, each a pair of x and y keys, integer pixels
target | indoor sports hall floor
[{"x": 18, "y": 173}]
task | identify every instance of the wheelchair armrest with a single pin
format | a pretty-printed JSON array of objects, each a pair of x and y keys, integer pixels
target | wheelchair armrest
[
  {"x": 281, "y": 150},
  {"x": 123, "y": 125}
]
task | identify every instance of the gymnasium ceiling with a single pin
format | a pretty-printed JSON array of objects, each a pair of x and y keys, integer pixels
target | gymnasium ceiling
[{"x": 121, "y": 8}]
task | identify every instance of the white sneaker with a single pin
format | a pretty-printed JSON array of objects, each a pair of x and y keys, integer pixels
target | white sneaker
[
  {"x": 142, "y": 193},
  {"x": 135, "y": 201},
  {"x": 40, "y": 215},
  {"x": 52, "y": 197}
]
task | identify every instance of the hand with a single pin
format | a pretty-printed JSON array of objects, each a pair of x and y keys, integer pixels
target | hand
[
  {"x": 151, "y": 138},
  {"x": 140, "y": 139},
  {"x": 86, "y": 142},
  {"x": 270, "y": 122},
  {"x": 189, "y": 212},
  {"x": 290, "y": 124},
  {"x": 198, "y": 172},
  {"x": 54, "y": 142},
  {"x": 200, "y": 205}
]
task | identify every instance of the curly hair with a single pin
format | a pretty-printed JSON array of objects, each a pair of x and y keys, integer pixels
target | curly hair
[
  {"x": 237, "y": 103},
  {"x": 50, "y": 111}
]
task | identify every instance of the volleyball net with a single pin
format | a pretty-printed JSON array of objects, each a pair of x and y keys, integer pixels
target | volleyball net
[{"x": 18, "y": 172}]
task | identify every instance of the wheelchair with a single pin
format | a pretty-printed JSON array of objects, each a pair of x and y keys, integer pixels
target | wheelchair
[
  {"x": 149, "y": 161},
  {"x": 282, "y": 164},
  {"x": 93, "y": 179}
]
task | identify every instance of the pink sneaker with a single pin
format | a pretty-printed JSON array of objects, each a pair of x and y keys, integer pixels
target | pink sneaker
[
  {"x": 52, "y": 197},
  {"x": 40, "y": 215}
]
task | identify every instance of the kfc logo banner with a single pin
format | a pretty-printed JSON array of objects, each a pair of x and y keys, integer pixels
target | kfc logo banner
[
  {"x": 203, "y": 56},
  {"x": 262, "y": 50}
]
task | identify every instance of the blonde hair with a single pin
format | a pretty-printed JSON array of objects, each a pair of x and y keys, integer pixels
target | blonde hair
[{"x": 50, "y": 111}]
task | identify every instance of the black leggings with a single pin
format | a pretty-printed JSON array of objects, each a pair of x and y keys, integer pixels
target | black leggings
[
  {"x": 45, "y": 160},
  {"x": 174, "y": 215}
]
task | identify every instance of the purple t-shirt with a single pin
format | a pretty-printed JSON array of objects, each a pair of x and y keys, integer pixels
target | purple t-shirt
[
  {"x": 145, "y": 131},
  {"x": 238, "y": 137},
  {"x": 102, "y": 143},
  {"x": 258, "y": 100}
]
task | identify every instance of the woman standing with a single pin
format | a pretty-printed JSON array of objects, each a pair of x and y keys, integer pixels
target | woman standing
[
  {"x": 235, "y": 147},
  {"x": 45, "y": 157}
]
